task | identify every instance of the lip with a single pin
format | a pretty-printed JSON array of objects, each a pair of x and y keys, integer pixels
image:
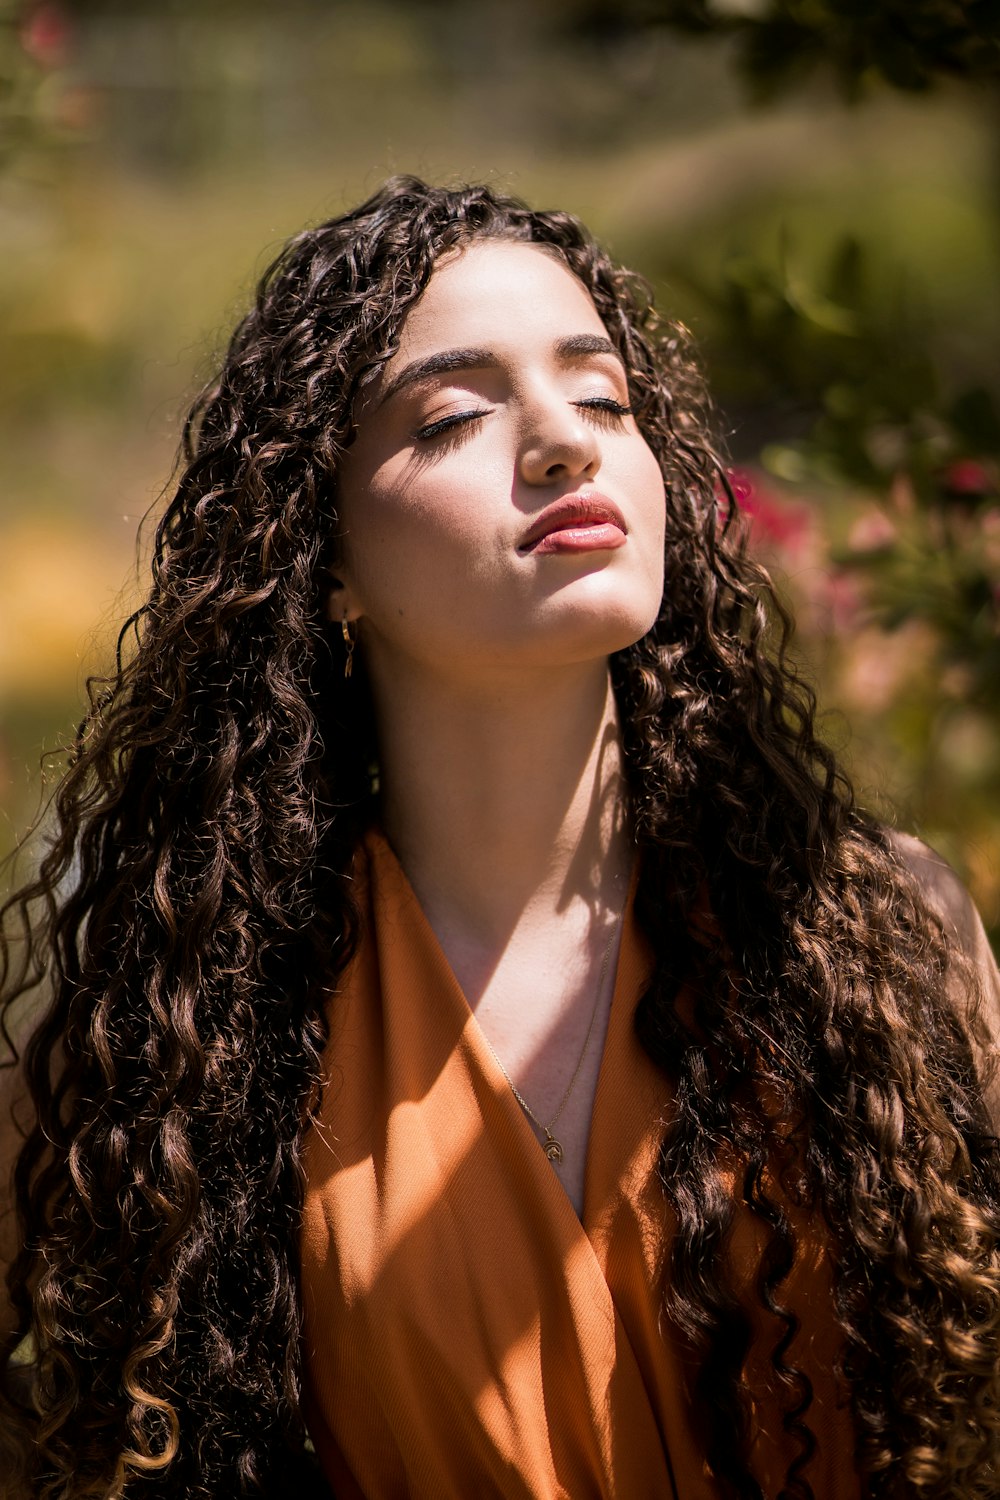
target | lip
[{"x": 576, "y": 523}]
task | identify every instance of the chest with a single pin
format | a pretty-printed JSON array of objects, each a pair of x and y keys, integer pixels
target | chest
[{"x": 542, "y": 1011}]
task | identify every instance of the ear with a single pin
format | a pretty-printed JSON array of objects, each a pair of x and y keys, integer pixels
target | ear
[{"x": 341, "y": 603}]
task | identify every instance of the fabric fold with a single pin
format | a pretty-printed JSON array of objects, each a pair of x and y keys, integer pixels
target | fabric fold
[{"x": 464, "y": 1332}]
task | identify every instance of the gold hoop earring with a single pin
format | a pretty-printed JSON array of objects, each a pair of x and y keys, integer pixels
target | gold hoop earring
[{"x": 349, "y": 645}]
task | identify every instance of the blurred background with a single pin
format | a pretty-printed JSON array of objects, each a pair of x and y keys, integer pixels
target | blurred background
[{"x": 813, "y": 187}]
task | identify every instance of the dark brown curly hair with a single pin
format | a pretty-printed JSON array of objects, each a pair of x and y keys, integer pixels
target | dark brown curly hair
[{"x": 192, "y": 914}]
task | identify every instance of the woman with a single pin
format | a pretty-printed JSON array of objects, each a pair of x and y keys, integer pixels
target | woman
[{"x": 482, "y": 1025}]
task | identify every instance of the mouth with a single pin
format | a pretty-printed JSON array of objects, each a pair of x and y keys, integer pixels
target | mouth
[{"x": 576, "y": 523}]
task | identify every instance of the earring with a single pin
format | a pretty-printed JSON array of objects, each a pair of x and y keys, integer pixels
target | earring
[{"x": 349, "y": 645}]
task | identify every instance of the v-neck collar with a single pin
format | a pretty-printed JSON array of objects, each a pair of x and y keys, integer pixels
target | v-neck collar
[{"x": 386, "y": 865}]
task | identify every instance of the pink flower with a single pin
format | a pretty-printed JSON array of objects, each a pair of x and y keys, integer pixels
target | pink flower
[
  {"x": 844, "y": 602},
  {"x": 772, "y": 519},
  {"x": 968, "y": 477},
  {"x": 871, "y": 532},
  {"x": 46, "y": 33}
]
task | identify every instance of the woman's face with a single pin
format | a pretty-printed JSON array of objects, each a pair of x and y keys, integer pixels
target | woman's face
[{"x": 499, "y": 509}]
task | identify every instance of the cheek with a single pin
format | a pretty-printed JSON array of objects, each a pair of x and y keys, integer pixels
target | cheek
[
  {"x": 403, "y": 529},
  {"x": 426, "y": 509},
  {"x": 648, "y": 487},
  {"x": 462, "y": 498}
]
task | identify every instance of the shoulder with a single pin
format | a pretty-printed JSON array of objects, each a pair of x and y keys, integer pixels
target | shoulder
[
  {"x": 940, "y": 887},
  {"x": 973, "y": 979}
]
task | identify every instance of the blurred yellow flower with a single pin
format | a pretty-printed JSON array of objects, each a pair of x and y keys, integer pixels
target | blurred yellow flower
[{"x": 61, "y": 588}]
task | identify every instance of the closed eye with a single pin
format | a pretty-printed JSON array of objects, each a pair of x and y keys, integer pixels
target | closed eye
[
  {"x": 604, "y": 405},
  {"x": 446, "y": 424}
]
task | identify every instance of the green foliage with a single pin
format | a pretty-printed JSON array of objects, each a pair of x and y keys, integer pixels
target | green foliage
[
  {"x": 906, "y": 43},
  {"x": 881, "y": 421},
  {"x": 882, "y": 513},
  {"x": 838, "y": 356}
]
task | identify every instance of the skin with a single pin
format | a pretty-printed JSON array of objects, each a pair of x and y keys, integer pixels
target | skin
[{"x": 499, "y": 738}]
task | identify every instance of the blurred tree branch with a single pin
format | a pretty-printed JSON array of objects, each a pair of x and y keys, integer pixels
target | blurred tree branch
[{"x": 909, "y": 44}]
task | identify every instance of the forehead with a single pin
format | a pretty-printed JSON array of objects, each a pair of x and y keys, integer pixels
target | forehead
[{"x": 495, "y": 293}]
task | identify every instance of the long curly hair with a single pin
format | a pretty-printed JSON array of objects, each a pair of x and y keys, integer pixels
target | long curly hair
[{"x": 192, "y": 913}]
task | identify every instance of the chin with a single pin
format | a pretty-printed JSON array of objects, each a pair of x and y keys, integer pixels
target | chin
[
  {"x": 629, "y": 632},
  {"x": 621, "y": 619},
  {"x": 597, "y": 634}
]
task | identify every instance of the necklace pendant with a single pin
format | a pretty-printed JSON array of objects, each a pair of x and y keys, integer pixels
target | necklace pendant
[{"x": 552, "y": 1148}]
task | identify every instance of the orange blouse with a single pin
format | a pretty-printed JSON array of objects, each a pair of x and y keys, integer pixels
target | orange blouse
[{"x": 465, "y": 1334}]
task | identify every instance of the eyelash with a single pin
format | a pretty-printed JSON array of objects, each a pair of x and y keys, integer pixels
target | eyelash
[
  {"x": 604, "y": 405},
  {"x": 433, "y": 429}
]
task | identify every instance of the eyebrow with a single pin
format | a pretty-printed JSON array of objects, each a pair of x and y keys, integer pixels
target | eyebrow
[{"x": 574, "y": 346}]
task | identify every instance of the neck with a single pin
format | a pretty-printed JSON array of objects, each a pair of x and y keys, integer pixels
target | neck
[{"x": 505, "y": 801}]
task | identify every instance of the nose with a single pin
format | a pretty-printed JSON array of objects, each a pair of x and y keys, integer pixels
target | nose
[{"x": 558, "y": 442}]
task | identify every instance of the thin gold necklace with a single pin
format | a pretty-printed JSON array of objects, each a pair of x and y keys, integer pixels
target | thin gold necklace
[{"x": 553, "y": 1148}]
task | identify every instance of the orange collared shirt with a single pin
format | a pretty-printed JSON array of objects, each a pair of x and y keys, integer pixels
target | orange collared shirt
[{"x": 465, "y": 1333}]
